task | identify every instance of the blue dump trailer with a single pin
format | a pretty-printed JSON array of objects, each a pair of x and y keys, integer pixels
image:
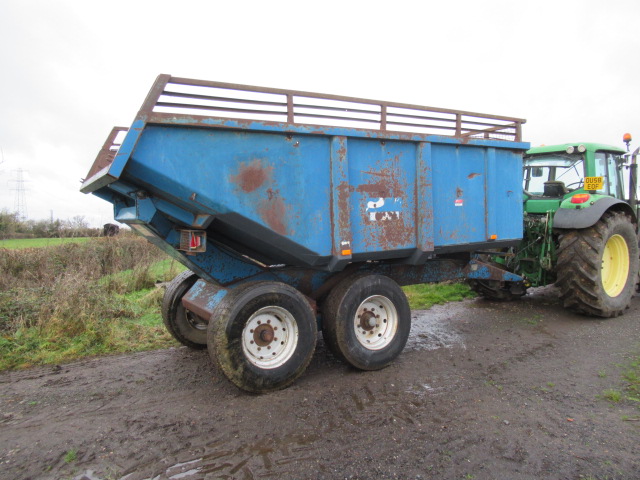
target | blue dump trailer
[{"x": 297, "y": 211}]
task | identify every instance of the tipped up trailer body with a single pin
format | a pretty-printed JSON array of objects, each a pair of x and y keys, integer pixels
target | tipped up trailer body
[{"x": 290, "y": 208}]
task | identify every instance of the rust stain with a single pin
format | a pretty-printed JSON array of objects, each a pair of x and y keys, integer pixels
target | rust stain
[
  {"x": 473, "y": 175},
  {"x": 389, "y": 230},
  {"x": 381, "y": 188},
  {"x": 375, "y": 189},
  {"x": 459, "y": 192},
  {"x": 244, "y": 123},
  {"x": 273, "y": 211},
  {"x": 252, "y": 176},
  {"x": 343, "y": 208}
]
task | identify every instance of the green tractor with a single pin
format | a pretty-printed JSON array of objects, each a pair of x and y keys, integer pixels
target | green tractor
[{"x": 580, "y": 229}]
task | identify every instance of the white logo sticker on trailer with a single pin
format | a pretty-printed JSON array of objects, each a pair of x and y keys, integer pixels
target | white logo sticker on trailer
[{"x": 380, "y": 209}]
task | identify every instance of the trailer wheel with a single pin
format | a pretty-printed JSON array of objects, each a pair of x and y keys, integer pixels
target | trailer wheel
[
  {"x": 263, "y": 336},
  {"x": 366, "y": 320},
  {"x": 185, "y": 326},
  {"x": 598, "y": 266}
]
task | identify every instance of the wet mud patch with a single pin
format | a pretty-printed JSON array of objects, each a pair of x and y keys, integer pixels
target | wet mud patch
[{"x": 435, "y": 328}]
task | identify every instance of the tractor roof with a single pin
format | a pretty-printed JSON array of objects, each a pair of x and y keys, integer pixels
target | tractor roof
[{"x": 563, "y": 147}]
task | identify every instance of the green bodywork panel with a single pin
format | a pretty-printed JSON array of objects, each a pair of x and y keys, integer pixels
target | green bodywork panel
[
  {"x": 593, "y": 198},
  {"x": 542, "y": 206}
]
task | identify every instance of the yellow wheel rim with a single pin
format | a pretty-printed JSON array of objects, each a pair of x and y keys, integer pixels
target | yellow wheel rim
[{"x": 615, "y": 265}]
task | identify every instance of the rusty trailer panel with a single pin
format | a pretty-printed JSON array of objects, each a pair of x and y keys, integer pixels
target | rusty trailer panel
[{"x": 317, "y": 196}]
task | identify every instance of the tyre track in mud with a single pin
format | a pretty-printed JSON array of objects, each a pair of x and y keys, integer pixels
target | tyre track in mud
[{"x": 470, "y": 396}]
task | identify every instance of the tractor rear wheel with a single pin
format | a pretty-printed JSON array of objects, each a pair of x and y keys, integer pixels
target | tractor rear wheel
[{"x": 598, "y": 266}]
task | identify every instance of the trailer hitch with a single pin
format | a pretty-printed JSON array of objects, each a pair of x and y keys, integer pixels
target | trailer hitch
[{"x": 477, "y": 270}]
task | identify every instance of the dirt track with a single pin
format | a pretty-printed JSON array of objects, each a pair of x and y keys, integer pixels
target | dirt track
[{"x": 482, "y": 391}]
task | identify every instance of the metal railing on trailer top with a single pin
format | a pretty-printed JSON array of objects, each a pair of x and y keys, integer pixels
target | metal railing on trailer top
[
  {"x": 174, "y": 96},
  {"x": 108, "y": 151}
]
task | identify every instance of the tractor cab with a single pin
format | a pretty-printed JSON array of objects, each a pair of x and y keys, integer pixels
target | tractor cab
[{"x": 555, "y": 173}]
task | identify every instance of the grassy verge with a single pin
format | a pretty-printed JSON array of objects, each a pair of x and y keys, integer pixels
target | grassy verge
[
  {"x": 69, "y": 301},
  {"x": 39, "y": 242},
  {"x": 118, "y": 314},
  {"x": 426, "y": 295}
]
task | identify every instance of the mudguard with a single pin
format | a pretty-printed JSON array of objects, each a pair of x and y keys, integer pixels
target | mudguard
[{"x": 571, "y": 218}]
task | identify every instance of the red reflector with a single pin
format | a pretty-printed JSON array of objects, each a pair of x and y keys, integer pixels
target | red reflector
[
  {"x": 580, "y": 198},
  {"x": 195, "y": 241}
]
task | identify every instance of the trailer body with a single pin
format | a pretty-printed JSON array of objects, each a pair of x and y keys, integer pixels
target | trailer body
[{"x": 245, "y": 184}]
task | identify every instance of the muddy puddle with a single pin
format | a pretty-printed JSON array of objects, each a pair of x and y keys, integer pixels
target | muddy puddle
[{"x": 435, "y": 328}]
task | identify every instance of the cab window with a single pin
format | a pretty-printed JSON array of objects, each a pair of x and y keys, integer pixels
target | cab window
[
  {"x": 607, "y": 167},
  {"x": 565, "y": 168}
]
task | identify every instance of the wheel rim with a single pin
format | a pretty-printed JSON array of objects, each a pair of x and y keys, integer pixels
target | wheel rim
[
  {"x": 195, "y": 321},
  {"x": 615, "y": 265},
  {"x": 376, "y": 322},
  {"x": 270, "y": 337}
]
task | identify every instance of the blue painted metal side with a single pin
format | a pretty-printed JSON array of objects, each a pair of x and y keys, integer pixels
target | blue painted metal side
[
  {"x": 321, "y": 201},
  {"x": 504, "y": 204},
  {"x": 317, "y": 200}
]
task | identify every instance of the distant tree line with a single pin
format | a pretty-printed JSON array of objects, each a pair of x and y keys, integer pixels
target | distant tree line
[{"x": 12, "y": 227}]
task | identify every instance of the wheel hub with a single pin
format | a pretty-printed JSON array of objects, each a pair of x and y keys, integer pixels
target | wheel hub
[
  {"x": 196, "y": 321},
  {"x": 263, "y": 335},
  {"x": 375, "y": 322},
  {"x": 368, "y": 320},
  {"x": 270, "y": 337}
]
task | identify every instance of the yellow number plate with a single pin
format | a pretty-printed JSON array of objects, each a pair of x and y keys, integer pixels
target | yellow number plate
[{"x": 593, "y": 183}]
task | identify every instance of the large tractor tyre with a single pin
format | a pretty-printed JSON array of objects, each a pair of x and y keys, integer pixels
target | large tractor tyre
[
  {"x": 263, "y": 336},
  {"x": 366, "y": 321},
  {"x": 598, "y": 267},
  {"x": 185, "y": 326}
]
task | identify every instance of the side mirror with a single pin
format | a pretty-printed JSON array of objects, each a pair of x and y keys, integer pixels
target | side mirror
[{"x": 537, "y": 172}]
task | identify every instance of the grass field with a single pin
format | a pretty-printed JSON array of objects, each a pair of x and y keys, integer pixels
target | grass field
[{"x": 39, "y": 242}]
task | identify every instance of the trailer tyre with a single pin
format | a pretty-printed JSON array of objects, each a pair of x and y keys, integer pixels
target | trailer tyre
[
  {"x": 263, "y": 336},
  {"x": 185, "y": 326},
  {"x": 598, "y": 266},
  {"x": 366, "y": 321}
]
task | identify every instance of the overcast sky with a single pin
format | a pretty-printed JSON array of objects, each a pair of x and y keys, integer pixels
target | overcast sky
[{"x": 72, "y": 69}]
